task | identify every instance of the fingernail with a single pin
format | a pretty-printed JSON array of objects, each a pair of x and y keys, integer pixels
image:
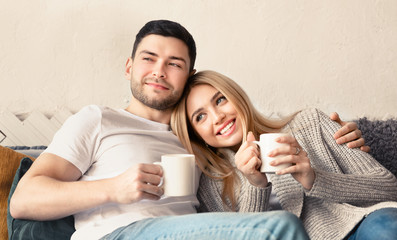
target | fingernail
[{"x": 349, "y": 145}]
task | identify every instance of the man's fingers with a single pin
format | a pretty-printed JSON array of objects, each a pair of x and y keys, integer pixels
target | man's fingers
[
  {"x": 365, "y": 148},
  {"x": 153, "y": 190},
  {"x": 347, "y": 133},
  {"x": 150, "y": 168},
  {"x": 335, "y": 117},
  {"x": 147, "y": 173},
  {"x": 149, "y": 196},
  {"x": 342, "y": 131},
  {"x": 350, "y": 126},
  {"x": 355, "y": 135},
  {"x": 358, "y": 143}
]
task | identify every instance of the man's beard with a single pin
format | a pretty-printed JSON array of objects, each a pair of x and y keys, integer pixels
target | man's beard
[{"x": 161, "y": 105}]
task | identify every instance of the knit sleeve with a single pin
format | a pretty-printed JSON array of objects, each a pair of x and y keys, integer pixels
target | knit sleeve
[
  {"x": 249, "y": 197},
  {"x": 342, "y": 174},
  {"x": 254, "y": 199},
  {"x": 209, "y": 195}
]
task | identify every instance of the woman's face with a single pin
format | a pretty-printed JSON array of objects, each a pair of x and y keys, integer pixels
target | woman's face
[{"x": 213, "y": 117}]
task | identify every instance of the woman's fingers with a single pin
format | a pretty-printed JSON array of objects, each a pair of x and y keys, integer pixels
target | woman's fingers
[
  {"x": 246, "y": 152},
  {"x": 252, "y": 166},
  {"x": 293, "y": 159},
  {"x": 294, "y": 149}
]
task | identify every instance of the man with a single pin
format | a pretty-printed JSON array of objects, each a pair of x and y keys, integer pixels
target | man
[{"x": 99, "y": 164}]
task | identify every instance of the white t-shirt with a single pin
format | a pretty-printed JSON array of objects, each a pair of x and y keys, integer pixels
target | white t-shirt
[{"x": 104, "y": 142}]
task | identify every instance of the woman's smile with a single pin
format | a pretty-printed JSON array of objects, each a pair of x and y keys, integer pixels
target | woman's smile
[{"x": 228, "y": 129}]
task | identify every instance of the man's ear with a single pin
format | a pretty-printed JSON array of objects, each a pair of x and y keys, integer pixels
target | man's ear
[
  {"x": 192, "y": 72},
  {"x": 128, "y": 68}
]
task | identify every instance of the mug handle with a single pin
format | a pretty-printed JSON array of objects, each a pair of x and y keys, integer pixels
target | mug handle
[
  {"x": 162, "y": 178},
  {"x": 257, "y": 143}
]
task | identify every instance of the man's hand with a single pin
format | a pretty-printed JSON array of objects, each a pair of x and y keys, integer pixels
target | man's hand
[
  {"x": 47, "y": 192},
  {"x": 349, "y": 133},
  {"x": 138, "y": 182}
]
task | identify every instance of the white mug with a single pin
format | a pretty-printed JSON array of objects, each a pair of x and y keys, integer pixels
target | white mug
[
  {"x": 267, "y": 144},
  {"x": 178, "y": 174}
]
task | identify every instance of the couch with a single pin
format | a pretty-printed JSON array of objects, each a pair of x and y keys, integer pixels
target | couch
[
  {"x": 13, "y": 164},
  {"x": 9, "y": 162},
  {"x": 381, "y": 136}
]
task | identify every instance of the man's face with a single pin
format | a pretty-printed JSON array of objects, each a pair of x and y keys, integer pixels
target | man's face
[{"x": 159, "y": 71}]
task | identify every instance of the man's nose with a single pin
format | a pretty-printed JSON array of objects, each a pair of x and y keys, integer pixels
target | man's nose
[{"x": 159, "y": 71}]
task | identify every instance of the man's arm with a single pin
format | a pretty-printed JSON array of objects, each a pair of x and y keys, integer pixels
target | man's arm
[
  {"x": 50, "y": 190},
  {"x": 349, "y": 133}
]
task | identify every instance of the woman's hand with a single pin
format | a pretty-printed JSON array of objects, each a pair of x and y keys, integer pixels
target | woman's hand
[
  {"x": 248, "y": 162},
  {"x": 301, "y": 169}
]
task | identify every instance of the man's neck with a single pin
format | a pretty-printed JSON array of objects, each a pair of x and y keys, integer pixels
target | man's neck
[{"x": 137, "y": 108}]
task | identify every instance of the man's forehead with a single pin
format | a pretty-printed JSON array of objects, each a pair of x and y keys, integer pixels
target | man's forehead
[{"x": 169, "y": 46}]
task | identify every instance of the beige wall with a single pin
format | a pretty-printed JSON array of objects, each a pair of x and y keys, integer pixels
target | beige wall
[{"x": 336, "y": 55}]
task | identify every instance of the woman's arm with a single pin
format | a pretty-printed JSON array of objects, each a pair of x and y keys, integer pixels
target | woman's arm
[
  {"x": 342, "y": 174},
  {"x": 249, "y": 197},
  {"x": 349, "y": 133}
]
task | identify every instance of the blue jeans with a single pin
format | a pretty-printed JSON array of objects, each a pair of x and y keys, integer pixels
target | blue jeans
[
  {"x": 381, "y": 224},
  {"x": 264, "y": 225}
]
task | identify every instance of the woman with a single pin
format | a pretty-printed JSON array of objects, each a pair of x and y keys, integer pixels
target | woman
[{"x": 330, "y": 187}]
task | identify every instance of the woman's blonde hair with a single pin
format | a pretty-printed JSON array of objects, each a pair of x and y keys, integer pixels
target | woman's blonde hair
[{"x": 209, "y": 159}]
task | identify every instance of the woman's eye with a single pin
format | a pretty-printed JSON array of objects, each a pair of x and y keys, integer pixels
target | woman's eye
[
  {"x": 220, "y": 100},
  {"x": 199, "y": 117}
]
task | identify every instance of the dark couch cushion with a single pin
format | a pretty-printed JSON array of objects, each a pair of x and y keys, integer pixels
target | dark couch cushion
[
  {"x": 27, "y": 229},
  {"x": 381, "y": 136},
  {"x": 9, "y": 162}
]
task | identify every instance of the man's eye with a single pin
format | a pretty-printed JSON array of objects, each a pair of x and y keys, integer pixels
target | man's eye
[
  {"x": 147, "y": 59},
  {"x": 175, "y": 65},
  {"x": 220, "y": 100}
]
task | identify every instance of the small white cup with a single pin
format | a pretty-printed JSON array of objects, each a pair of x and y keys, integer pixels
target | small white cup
[
  {"x": 267, "y": 143},
  {"x": 178, "y": 174}
]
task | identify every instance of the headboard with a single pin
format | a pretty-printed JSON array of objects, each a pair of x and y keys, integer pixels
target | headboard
[{"x": 35, "y": 130}]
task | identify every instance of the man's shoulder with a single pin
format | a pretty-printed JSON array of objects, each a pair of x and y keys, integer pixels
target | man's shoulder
[
  {"x": 92, "y": 112},
  {"x": 95, "y": 109}
]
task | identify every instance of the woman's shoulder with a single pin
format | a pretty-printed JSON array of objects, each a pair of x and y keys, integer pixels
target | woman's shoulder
[
  {"x": 311, "y": 120},
  {"x": 308, "y": 118},
  {"x": 309, "y": 115},
  {"x": 311, "y": 112}
]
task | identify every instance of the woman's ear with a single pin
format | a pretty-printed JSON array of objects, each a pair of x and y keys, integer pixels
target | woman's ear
[{"x": 128, "y": 68}]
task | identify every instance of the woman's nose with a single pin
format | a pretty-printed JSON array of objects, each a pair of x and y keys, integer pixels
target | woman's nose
[{"x": 218, "y": 117}]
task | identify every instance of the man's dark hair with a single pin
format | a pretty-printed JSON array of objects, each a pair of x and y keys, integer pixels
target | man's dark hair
[{"x": 167, "y": 28}]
